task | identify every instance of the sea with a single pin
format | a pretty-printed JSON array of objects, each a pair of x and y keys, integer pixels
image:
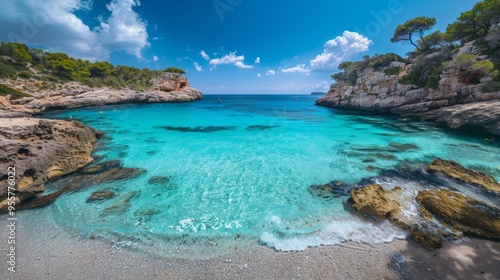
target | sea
[{"x": 240, "y": 169}]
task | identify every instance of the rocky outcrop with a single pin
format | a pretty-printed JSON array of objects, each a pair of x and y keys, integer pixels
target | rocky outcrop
[
  {"x": 454, "y": 102},
  {"x": 456, "y": 171},
  {"x": 41, "y": 150},
  {"x": 461, "y": 213},
  {"x": 169, "y": 87},
  {"x": 391, "y": 204}
]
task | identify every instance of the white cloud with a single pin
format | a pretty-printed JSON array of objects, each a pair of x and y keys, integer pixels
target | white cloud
[
  {"x": 340, "y": 49},
  {"x": 240, "y": 64},
  {"x": 230, "y": 58},
  {"x": 204, "y": 55},
  {"x": 54, "y": 25},
  {"x": 198, "y": 67},
  {"x": 300, "y": 68},
  {"x": 155, "y": 58},
  {"x": 270, "y": 72},
  {"x": 257, "y": 60},
  {"x": 157, "y": 38},
  {"x": 259, "y": 75}
]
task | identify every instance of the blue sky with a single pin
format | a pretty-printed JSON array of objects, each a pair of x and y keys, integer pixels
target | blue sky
[{"x": 226, "y": 46}]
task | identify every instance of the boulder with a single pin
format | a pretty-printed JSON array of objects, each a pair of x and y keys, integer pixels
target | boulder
[
  {"x": 100, "y": 195},
  {"x": 41, "y": 150},
  {"x": 456, "y": 171},
  {"x": 461, "y": 212}
]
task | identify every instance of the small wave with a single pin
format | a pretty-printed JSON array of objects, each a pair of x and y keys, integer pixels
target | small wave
[{"x": 339, "y": 232}]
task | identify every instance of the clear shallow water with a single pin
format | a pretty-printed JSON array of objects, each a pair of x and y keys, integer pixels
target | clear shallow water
[{"x": 242, "y": 168}]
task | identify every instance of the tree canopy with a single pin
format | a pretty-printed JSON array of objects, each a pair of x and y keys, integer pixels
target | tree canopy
[
  {"x": 414, "y": 27},
  {"x": 59, "y": 67}
]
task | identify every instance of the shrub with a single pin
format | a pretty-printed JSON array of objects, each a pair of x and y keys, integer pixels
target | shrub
[
  {"x": 491, "y": 86},
  {"x": 14, "y": 93},
  {"x": 393, "y": 70},
  {"x": 24, "y": 75}
]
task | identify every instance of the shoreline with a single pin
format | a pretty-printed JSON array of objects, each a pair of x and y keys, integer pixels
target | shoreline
[{"x": 46, "y": 251}]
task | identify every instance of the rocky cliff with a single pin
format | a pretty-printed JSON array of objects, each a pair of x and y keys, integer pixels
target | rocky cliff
[
  {"x": 37, "y": 150},
  {"x": 169, "y": 87},
  {"x": 455, "y": 102}
]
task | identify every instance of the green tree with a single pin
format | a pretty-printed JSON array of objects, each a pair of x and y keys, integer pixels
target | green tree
[
  {"x": 417, "y": 26},
  {"x": 175, "y": 70},
  {"x": 100, "y": 69},
  {"x": 475, "y": 23}
]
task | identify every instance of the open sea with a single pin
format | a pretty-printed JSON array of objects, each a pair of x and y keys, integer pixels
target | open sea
[{"x": 240, "y": 171}]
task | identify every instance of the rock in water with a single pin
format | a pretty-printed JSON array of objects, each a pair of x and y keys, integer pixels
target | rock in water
[
  {"x": 41, "y": 150},
  {"x": 374, "y": 200},
  {"x": 455, "y": 170},
  {"x": 100, "y": 195},
  {"x": 461, "y": 212}
]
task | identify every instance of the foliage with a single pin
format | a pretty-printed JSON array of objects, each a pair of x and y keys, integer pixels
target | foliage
[
  {"x": 175, "y": 70},
  {"x": 349, "y": 70},
  {"x": 14, "y": 93},
  {"x": 393, "y": 70},
  {"x": 417, "y": 26},
  {"x": 426, "y": 70},
  {"x": 435, "y": 40},
  {"x": 472, "y": 69},
  {"x": 59, "y": 67},
  {"x": 491, "y": 86},
  {"x": 24, "y": 75},
  {"x": 475, "y": 23}
]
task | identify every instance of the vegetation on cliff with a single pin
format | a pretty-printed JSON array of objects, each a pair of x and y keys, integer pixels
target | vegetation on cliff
[
  {"x": 435, "y": 51},
  {"x": 19, "y": 61}
]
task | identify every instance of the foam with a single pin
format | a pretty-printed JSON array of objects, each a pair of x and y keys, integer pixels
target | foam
[{"x": 354, "y": 230}]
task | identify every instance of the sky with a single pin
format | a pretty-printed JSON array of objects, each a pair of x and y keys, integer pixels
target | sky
[{"x": 225, "y": 46}]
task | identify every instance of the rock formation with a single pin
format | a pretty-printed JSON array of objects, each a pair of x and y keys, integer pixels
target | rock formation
[
  {"x": 460, "y": 212},
  {"x": 169, "y": 87},
  {"x": 41, "y": 150},
  {"x": 454, "y": 102},
  {"x": 456, "y": 171}
]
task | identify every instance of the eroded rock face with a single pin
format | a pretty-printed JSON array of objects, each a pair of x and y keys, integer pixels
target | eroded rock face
[
  {"x": 461, "y": 212},
  {"x": 454, "y": 103},
  {"x": 455, "y": 170},
  {"x": 169, "y": 87},
  {"x": 41, "y": 150}
]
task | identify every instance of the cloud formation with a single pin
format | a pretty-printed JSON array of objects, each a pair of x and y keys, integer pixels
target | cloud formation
[
  {"x": 54, "y": 25},
  {"x": 204, "y": 55},
  {"x": 340, "y": 49},
  {"x": 197, "y": 67},
  {"x": 257, "y": 60},
  {"x": 231, "y": 59},
  {"x": 270, "y": 72},
  {"x": 300, "y": 68}
]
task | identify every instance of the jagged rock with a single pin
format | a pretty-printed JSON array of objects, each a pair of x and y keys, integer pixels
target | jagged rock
[
  {"x": 374, "y": 200},
  {"x": 170, "y": 82},
  {"x": 101, "y": 167},
  {"x": 41, "y": 150},
  {"x": 461, "y": 212},
  {"x": 100, "y": 195},
  {"x": 455, "y": 170}
]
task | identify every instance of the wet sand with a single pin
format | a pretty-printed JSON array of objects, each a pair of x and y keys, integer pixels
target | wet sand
[{"x": 44, "y": 251}]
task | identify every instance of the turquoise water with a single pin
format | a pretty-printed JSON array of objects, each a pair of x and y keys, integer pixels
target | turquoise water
[{"x": 242, "y": 168}]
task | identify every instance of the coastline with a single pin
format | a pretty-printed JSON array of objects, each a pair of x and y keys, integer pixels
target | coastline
[{"x": 54, "y": 250}]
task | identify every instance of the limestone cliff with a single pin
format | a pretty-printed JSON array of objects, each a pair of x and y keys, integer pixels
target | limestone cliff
[
  {"x": 455, "y": 102},
  {"x": 40, "y": 150},
  {"x": 169, "y": 87}
]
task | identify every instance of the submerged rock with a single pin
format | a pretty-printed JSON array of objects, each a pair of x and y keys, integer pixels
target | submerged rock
[
  {"x": 463, "y": 213},
  {"x": 101, "y": 167},
  {"x": 202, "y": 129},
  {"x": 455, "y": 170},
  {"x": 334, "y": 189},
  {"x": 159, "y": 181},
  {"x": 122, "y": 206},
  {"x": 113, "y": 174},
  {"x": 100, "y": 195}
]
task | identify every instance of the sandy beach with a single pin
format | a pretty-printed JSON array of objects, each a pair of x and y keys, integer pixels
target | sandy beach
[{"x": 44, "y": 251}]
